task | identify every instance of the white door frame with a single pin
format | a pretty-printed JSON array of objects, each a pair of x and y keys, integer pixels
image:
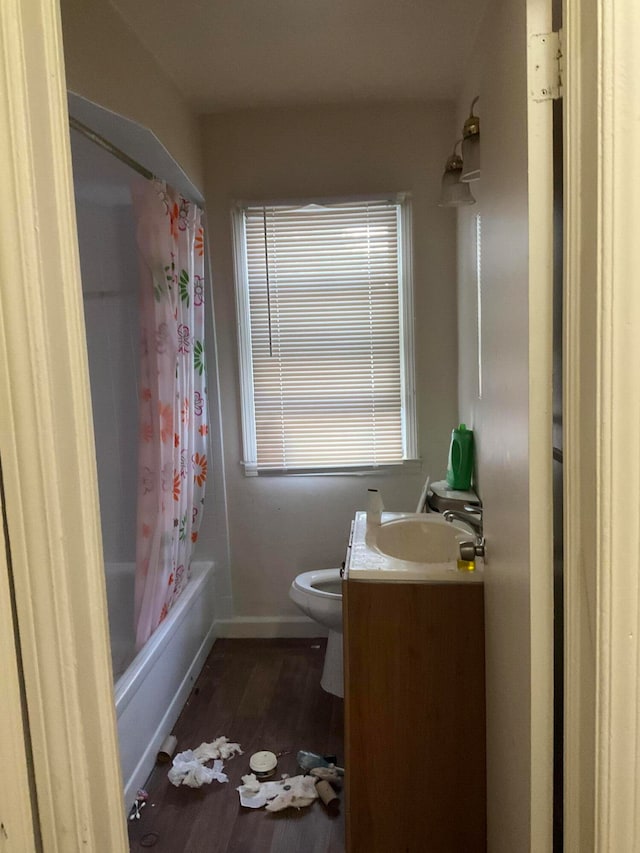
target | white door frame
[
  {"x": 47, "y": 449},
  {"x": 602, "y": 414},
  {"x": 17, "y": 820}
]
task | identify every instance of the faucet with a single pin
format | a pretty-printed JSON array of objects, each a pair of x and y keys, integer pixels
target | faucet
[{"x": 472, "y": 517}]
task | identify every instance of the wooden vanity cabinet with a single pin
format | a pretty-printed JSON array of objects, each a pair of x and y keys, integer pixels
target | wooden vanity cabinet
[{"x": 414, "y": 717}]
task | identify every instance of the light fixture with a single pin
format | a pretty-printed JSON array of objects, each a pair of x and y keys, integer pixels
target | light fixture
[
  {"x": 471, "y": 146},
  {"x": 454, "y": 193}
]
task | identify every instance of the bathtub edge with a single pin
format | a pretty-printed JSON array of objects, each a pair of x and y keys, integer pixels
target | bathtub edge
[
  {"x": 136, "y": 673},
  {"x": 148, "y": 760}
]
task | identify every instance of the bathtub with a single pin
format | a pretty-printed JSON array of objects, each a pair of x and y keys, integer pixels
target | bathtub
[{"x": 152, "y": 687}]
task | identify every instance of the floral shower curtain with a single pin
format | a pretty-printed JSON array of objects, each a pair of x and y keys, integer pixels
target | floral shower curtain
[{"x": 172, "y": 461}]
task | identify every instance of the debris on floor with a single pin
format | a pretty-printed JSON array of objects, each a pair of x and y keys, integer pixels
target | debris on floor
[
  {"x": 189, "y": 767},
  {"x": 139, "y": 803},
  {"x": 263, "y": 764},
  {"x": 221, "y": 747},
  {"x": 312, "y": 760},
  {"x": 290, "y": 792},
  {"x": 167, "y": 749},
  {"x": 328, "y": 774},
  {"x": 188, "y": 770},
  {"x": 328, "y": 796}
]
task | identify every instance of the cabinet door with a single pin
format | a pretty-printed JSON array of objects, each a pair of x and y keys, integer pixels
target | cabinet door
[{"x": 414, "y": 716}]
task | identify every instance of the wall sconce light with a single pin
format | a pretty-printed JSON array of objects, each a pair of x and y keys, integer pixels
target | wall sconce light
[
  {"x": 471, "y": 146},
  {"x": 454, "y": 193}
]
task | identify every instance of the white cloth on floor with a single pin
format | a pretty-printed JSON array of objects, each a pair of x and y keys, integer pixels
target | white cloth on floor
[
  {"x": 189, "y": 766},
  {"x": 221, "y": 747},
  {"x": 188, "y": 770},
  {"x": 290, "y": 792}
]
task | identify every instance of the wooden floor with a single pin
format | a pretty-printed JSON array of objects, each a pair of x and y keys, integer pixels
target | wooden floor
[{"x": 264, "y": 694}]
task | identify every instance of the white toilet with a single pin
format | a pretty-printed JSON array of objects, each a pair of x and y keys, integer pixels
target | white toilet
[{"x": 319, "y": 595}]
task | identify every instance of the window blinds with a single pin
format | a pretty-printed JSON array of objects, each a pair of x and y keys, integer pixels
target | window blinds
[{"x": 325, "y": 335}]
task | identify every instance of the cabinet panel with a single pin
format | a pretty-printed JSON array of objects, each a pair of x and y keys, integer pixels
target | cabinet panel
[{"x": 414, "y": 717}]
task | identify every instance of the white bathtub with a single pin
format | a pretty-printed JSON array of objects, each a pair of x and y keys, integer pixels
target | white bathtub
[{"x": 152, "y": 687}]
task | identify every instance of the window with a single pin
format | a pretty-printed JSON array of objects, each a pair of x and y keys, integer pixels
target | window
[{"x": 325, "y": 328}]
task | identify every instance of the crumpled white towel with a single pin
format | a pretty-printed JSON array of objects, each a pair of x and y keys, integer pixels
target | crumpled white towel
[
  {"x": 221, "y": 747},
  {"x": 189, "y": 766},
  {"x": 188, "y": 770}
]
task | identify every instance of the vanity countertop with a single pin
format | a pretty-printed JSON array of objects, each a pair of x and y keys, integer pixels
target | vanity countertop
[{"x": 365, "y": 562}]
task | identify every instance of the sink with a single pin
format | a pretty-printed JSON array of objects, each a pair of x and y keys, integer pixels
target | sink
[
  {"x": 409, "y": 547},
  {"x": 419, "y": 539}
]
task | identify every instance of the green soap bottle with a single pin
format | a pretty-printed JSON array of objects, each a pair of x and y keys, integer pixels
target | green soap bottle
[{"x": 460, "y": 465}]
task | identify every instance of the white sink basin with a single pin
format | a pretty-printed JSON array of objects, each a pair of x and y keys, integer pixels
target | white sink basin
[
  {"x": 409, "y": 547},
  {"x": 421, "y": 539}
]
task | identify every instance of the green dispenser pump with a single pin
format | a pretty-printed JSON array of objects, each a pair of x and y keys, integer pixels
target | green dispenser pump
[{"x": 460, "y": 465}]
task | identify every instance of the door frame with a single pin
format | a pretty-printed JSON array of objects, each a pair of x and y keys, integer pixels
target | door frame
[
  {"x": 602, "y": 412},
  {"x": 47, "y": 448},
  {"x": 18, "y": 822}
]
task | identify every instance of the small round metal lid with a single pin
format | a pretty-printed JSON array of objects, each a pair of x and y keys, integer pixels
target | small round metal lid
[{"x": 263, "y": 762}]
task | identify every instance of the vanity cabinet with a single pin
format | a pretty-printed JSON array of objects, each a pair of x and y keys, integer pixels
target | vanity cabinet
[{"x": 414, "y": 716}]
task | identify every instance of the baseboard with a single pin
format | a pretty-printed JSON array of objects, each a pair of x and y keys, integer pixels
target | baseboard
[
  {"x": 148, "y": 759},
  {"x": 268, "y": 627}
]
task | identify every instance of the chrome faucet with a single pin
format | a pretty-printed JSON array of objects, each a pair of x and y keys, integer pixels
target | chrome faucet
[{"x": 471, "y": 516}]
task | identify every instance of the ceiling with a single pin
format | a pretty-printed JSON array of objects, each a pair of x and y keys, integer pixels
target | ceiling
[{"x": 230, "y": 54}]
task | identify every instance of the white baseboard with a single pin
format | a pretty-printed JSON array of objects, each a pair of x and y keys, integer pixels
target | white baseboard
[
  {"x": 148, "y": 759},
  {"x": 268, "y": 627}
]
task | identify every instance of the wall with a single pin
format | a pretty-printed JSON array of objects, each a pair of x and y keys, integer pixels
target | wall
[
  {"x": 519, "y": 817},
  {"x": 107, "y": 64},
  {"x": 280, "y": 526}
]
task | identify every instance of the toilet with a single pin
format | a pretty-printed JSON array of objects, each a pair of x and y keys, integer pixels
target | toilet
[{"x": 319, "y": 595}]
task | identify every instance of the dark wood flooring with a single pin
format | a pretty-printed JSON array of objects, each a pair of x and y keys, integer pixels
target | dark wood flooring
[{"x": 264, "y": 694}]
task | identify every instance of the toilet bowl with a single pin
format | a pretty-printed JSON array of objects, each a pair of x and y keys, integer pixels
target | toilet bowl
[{"x": 319, "y": 595}]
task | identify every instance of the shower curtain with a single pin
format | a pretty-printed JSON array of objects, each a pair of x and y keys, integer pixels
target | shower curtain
[{"x": 172, "y": 457}]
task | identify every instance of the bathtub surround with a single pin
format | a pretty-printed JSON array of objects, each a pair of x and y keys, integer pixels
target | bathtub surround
[
  {"x": 151, "y": 692},
  {"x": 152, "y": 686},
  {"x": 106, "y": 238},
  {"x": 172, "y": 453}
]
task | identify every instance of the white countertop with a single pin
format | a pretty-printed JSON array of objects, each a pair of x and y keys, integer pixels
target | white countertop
[{"x": 365, "y": 562}]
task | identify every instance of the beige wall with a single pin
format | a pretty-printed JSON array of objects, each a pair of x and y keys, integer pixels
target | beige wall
[
  {"x": 502, "y": 421},
  {"x": 280, "y": 526},
  {"x": 106, "y": 64}
]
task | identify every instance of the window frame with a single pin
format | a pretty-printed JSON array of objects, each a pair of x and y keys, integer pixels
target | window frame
[{"x": 409, "y": 425}]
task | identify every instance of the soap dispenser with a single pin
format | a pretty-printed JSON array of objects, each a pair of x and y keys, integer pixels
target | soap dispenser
[
  {"x": 374, "y": 510},
  {"x": 460, "y": 466}
]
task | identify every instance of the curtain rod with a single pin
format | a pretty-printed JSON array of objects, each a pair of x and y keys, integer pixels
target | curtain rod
[{"x": 108, "y": 146}]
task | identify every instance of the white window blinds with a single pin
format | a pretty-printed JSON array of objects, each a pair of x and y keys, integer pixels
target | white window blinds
[{"x": 322, "y": 350}]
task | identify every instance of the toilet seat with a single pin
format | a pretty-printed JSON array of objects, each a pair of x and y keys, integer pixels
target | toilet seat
[
  {"x": 318, "y": 594},
  {"x": 312, "y": 592},
  {"x": 312, "y": 583}
]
